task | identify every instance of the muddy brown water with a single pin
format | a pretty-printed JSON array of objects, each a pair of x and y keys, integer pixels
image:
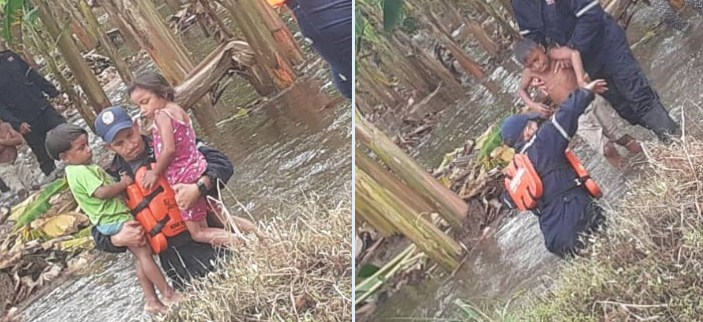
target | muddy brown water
[
  {"x": 287, "y": 150},
  {"x": 514, "y": 260}
]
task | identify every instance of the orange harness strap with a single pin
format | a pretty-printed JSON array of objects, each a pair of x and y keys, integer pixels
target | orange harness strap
[
  {"x": 583, "y": 176},
  {"x": 523, "y": 183},
  {"x": 156, "y": 210}
]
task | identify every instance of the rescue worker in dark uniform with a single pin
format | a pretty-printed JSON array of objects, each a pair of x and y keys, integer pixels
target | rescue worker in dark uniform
[
  {"x": 23, "y": 105},
  {"x": 566, "y": 209},
  {"x": 328, "y": 24},
  {"x": 184, "y": 257},
  {"x": 584, "y": 25}
]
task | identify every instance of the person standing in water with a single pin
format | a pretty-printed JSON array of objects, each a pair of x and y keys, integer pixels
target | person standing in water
[{"x": 177, "y": 156}]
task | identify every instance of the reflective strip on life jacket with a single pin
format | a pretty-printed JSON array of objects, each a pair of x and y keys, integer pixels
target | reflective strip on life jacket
[
  {"x": 586, "y": 8},
  {"x": 560, "y": 128},
  {"x": 155, "y": 210}
]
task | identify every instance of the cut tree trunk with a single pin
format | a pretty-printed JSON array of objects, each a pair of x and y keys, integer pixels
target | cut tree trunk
[
  {"x": 235, "y": 55},
  {"x": 281, "y": 34},
  {"x": 209, "y": 10},
  {"x": 483, "y": 38},
  {"x": 450, "y": 206},
  {"x": 128, "y": 34},
  {"x": 270, "y": 57},
  {"x": 466, "y": 63},
  {"x": 41, "y": 45},
  {"x": 82, "y": 72},
  {"x": 153, "y": 35},
  {"x": 106, "y": 44},
  {"x": 411, "y": 223}
]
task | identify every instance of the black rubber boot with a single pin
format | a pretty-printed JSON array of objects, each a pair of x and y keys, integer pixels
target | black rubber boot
[{"x": 658, "y": 120}]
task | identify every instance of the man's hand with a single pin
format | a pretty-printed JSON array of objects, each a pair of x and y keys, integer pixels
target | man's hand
[
  {"x": 131, "y": 235},
  {"x": 597, "y": 86},
  {"x": 186, "y": 195},
  {"x": 25, "y": 128}
]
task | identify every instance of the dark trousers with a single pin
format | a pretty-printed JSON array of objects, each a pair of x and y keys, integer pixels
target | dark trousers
[
  {"x": 48, "y": 120},
  {"x": 629, "y": 91},
  {"x": 328, "y": 23}
]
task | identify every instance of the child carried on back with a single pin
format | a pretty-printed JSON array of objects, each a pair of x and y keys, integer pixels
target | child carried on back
[{"x": 100, "y": 197}]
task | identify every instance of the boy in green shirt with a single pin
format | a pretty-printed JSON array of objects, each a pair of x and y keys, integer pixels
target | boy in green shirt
[{"x": 99, "y": 196}]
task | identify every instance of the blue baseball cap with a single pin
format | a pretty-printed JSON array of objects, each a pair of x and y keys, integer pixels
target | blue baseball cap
[
  {"x": 111, "y": 121},
  {"x": 511, "y": 131}
]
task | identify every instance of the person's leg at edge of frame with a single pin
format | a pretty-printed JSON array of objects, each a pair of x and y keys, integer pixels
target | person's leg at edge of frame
[
  {"x": 329, "y": 25},
  {"x": 48, "y": 120},
  {"x": 10, "y": 175},
  {"x": 152, "y": 304},
  {"x": 153, "y": 273},
  {"x": 628, "y": 80}
]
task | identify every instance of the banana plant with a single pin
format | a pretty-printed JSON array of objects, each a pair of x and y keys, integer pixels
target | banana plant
[
  {"x": 392, "y": 16},
  {"x": 14, "y": 13}
]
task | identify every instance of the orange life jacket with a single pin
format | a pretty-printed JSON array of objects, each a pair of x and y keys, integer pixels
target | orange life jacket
[
  {"x": 524, "y": 184},
  {"x": 156, "y": 210},
  {"x": 276, "y": 3}
]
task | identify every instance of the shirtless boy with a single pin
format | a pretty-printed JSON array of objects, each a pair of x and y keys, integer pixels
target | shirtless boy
[
  {"x": 599, "y": 126},
  {"x": 9, "y": 140}
]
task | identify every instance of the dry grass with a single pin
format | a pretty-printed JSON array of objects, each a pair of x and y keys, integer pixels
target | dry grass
[
  {"x": 648, "y": 266},
  {"x": 304, "y": 273}
]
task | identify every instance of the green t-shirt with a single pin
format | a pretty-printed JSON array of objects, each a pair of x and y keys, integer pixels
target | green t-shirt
[{"x": 83, "y": 181}]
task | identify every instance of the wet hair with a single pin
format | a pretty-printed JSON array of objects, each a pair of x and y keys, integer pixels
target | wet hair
[
  {"x": 60, "y": 139},
  {"x": 523, "y": 48},
  {"x": 155, "y": 83}
]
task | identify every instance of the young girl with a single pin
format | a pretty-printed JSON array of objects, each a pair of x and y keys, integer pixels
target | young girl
[
  {"x": 176, "y": 154},
  {"x": 99, "y": 196}
]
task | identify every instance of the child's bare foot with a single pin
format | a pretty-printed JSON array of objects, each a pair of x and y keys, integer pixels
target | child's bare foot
[
  {"x": 173, "y": 299},
  {"x": 613, "y": 156},
  {"x": 155, "y": 307},
  {"x": 633, "y": 146}
]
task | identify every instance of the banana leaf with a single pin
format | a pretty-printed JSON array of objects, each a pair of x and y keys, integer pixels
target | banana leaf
[
  {"x": 41, "y": 205},
  {"x": 392, "y": 13},
  {"x": 11, "y": 15}
]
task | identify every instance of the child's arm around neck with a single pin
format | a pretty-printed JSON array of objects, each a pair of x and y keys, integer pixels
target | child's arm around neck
[
  {"x": 168, "y": 143},
  {"x": 113, "y": 190}
]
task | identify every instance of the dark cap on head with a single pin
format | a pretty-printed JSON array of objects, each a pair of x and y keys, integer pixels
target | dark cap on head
[
  {"x": 60, "y": 138},
  {"x": 111, "y": 121},
  {"x": 523, "y": 48},
  {"x": 511, "y": 131}
]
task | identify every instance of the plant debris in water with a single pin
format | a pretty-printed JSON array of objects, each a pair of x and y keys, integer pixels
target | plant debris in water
[
  {"x": 302, "y": 273},
  {"x": 646, "y": 267}
]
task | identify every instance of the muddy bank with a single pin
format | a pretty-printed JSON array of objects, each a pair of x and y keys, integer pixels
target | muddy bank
[{"x": 514, "y": 259}]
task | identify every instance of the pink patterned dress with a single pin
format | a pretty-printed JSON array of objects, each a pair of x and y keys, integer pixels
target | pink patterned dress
[{"x": 188, "y": 164}]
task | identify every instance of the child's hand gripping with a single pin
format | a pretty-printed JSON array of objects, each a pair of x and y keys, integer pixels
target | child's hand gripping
[
  {"x": 125, "y": 179},
  {"x": 149, "y": 180},
  {"x": 597, "y": 86}
]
